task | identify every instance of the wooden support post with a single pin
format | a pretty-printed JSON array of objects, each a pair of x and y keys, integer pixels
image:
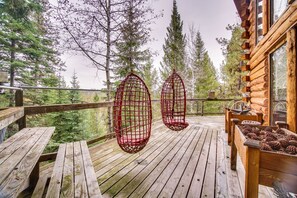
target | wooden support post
[
  {"x": 291, "y": 80},
  {"x": 197, "y": 108},
  {"x": 232, "y": 143},
  {"x": 34, "y": 176},
  {"x": 202, "y": 108},
  {"x": 226, "y": 119},
  {"x": 19, "y": 102},
  {"x": 252, "y": 168}
]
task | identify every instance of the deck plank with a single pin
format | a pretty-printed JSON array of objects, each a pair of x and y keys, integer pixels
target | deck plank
[
  {"x": 67, "y": 189},
  {"x": 56, "y": 178},
  {"x": 199, "y": 174},
  {"x": 134, "y": 177},
  {"x": 208, "y": 189},
  {"x": 80, "y": 188},
  {"x": 128, "y": 158},
  {"x": 173, "y": 171},
  {"x": 180, "y": 171},
  {"x": 221, "y": 177},
  {"x": 163, "y": 170},
  {"x": 185, "y": 181}
]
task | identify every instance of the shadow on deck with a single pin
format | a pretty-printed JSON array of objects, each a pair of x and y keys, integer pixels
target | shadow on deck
[{"x": 191, "y": 163}]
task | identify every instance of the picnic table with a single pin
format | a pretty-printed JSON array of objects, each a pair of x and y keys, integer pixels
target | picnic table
[{"x": 19, "y": 157}]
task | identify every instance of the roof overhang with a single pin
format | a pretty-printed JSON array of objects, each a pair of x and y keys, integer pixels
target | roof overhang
[{"x": 242, "y": 8}]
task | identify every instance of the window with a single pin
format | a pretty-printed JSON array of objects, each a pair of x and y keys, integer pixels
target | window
[
  {"x": 278, "y": 86},
  {"x": 277, "y": 8},
  {"x": 259, "y": 20}
]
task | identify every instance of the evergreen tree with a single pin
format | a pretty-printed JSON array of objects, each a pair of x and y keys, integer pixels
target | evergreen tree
[
  {"x": 135, "y": 33},
  {"x": 230, "y": 68},
  {"x": 26, "y": 51},
  {"x": 174, "y": 47},
  {"x": 150, "y": 77}
]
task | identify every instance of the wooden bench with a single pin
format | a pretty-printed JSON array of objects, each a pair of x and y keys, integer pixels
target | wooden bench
[
  {"x": 73, "y": 174},
  {"x": 18, "y": 158}
]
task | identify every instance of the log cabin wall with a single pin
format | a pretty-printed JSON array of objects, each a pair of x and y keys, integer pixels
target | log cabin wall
[{"x": 257, "y": 54}]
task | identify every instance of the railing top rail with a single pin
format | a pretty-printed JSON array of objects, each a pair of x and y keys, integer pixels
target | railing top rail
[
  {"x": 60, "y": 88},
  {"x": 10, "y": 88}
]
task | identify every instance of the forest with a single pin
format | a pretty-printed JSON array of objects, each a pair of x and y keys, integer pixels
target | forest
[{"x": 114, "y": 35}]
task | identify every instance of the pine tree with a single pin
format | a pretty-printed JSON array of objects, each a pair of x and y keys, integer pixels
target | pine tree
[
  {"x": 26, "y": 50},
  {"x": 174, "y": 47},
  {"x": 150, "y": 77},
  {"x": 230, "y": 68},
  {"x": 135, "y": 33}
]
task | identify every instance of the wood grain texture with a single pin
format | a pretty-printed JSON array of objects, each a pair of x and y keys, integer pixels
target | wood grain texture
[
  {"x": 291, "y": 80},
  {"x": 18, "y": 173},
  {"x": 10, "y": 115}
]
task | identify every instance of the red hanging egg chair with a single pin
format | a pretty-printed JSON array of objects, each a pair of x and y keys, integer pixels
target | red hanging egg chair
[
  {"x": 132, "y": 114},
  {"x": 173, "y": 103}
]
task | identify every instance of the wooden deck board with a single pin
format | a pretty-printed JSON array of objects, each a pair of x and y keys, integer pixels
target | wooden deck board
[{"x": 192, "y": 163}]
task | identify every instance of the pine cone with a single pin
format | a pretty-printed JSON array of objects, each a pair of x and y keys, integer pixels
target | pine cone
[
  {"x": 291, "y": 137},
  {"x": 248, "y": 127},
  {"x": 255, "y": 130},
  {"x": 280, "y": 131},
  {"x": 252, "y": 135},
  {"x": 293, "y": 142},
  {"x": 291, "y": 149},
  {"x": 265, "y": 147},
  {"x": 246, "y": 131},
  {"x": 275, "y": 145},
  {"x": 268, "y": 129},
  {"x": 262, "y": 132},
  {"x": 272, "y": 135},
  {"x": 269, "y": 139},
  {"x": 256, "y": 138},
  {"x": 284, "y": 142}
]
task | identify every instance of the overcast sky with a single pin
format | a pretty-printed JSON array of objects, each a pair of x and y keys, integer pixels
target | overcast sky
[{"x": 209, "y": 17}]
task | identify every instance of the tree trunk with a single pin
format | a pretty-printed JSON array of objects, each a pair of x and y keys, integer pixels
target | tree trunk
[
  {"x": 107, "y": 70},
  {"x": 12, "y": 72}
]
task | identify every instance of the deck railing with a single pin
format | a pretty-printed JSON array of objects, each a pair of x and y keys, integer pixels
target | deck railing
[{"x": 194, "y": 106}]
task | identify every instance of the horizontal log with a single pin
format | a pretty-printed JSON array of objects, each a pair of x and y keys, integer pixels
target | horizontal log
[
  {"x": 245, "y": 35},
  {"x": 275, "y": 34},
  {"x": 245, "y": 13},
  {"x": 245, "y": 45},
  {"x": 245, "y": 78},
  {"x": 259, "y": 87},
  {"x": 259, "y": 80},
  {"x": 245, "y": 68},
  {"x": 260, "y": 101},
  {"x": 259, "y": 108},
  {"x": 31, "y": 110},
  {"x": 246, "y": 99},
  {"x": 245, "y": 57},
  {"x": 259, "y": 94},
  {"x": 259, "y": 73},
  {"x": 246, "y": 89},
  {"x": 260, "y": 65},
  {"x": 10, "y": 115}
]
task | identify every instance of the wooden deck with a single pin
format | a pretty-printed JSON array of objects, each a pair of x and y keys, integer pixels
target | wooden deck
[{"x": 194, "y": 162}]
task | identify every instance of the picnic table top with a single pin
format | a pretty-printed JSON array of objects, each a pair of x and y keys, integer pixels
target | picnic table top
[{"x": 18, "y": 156}]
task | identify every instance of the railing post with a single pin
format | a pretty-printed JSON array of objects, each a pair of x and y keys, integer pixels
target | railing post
[
  {"x": 19, "y": 102},
  {"x": 197, "y": 113},
  {"x": 202, "y": 107}
]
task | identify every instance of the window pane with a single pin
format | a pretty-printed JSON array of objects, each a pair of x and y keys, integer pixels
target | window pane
[
  {"x": 279, "y": 85},
  {"x": 278, "y": 7},
  {"x": 259, "y": 20}
]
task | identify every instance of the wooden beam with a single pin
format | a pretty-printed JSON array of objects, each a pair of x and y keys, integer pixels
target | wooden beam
[
  {"x": 10, "y": 115},
  {"x": 260, "y": 101},
  {"x": 245, "y": 68},
  {"x": 245, "y": 45},
  {"x": 31, "y": 110},
  {"x": 19, "y": 102},
  {"x": 245, "y": 35},
  {"x": 260, "y": 87},
  {"x": 259, "y": 94},
  {"x": 246, "y": 24},
  {"x": 291, "y": 80},
  {"x": 265, "y": 16},
  {"x": 246, "y": 89},
  {"x": 245, "y": 78},
  {"x": 245, "y": 57}
]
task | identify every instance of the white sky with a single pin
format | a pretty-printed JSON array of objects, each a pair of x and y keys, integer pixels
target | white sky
[{"x": 210, "y": 17}]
